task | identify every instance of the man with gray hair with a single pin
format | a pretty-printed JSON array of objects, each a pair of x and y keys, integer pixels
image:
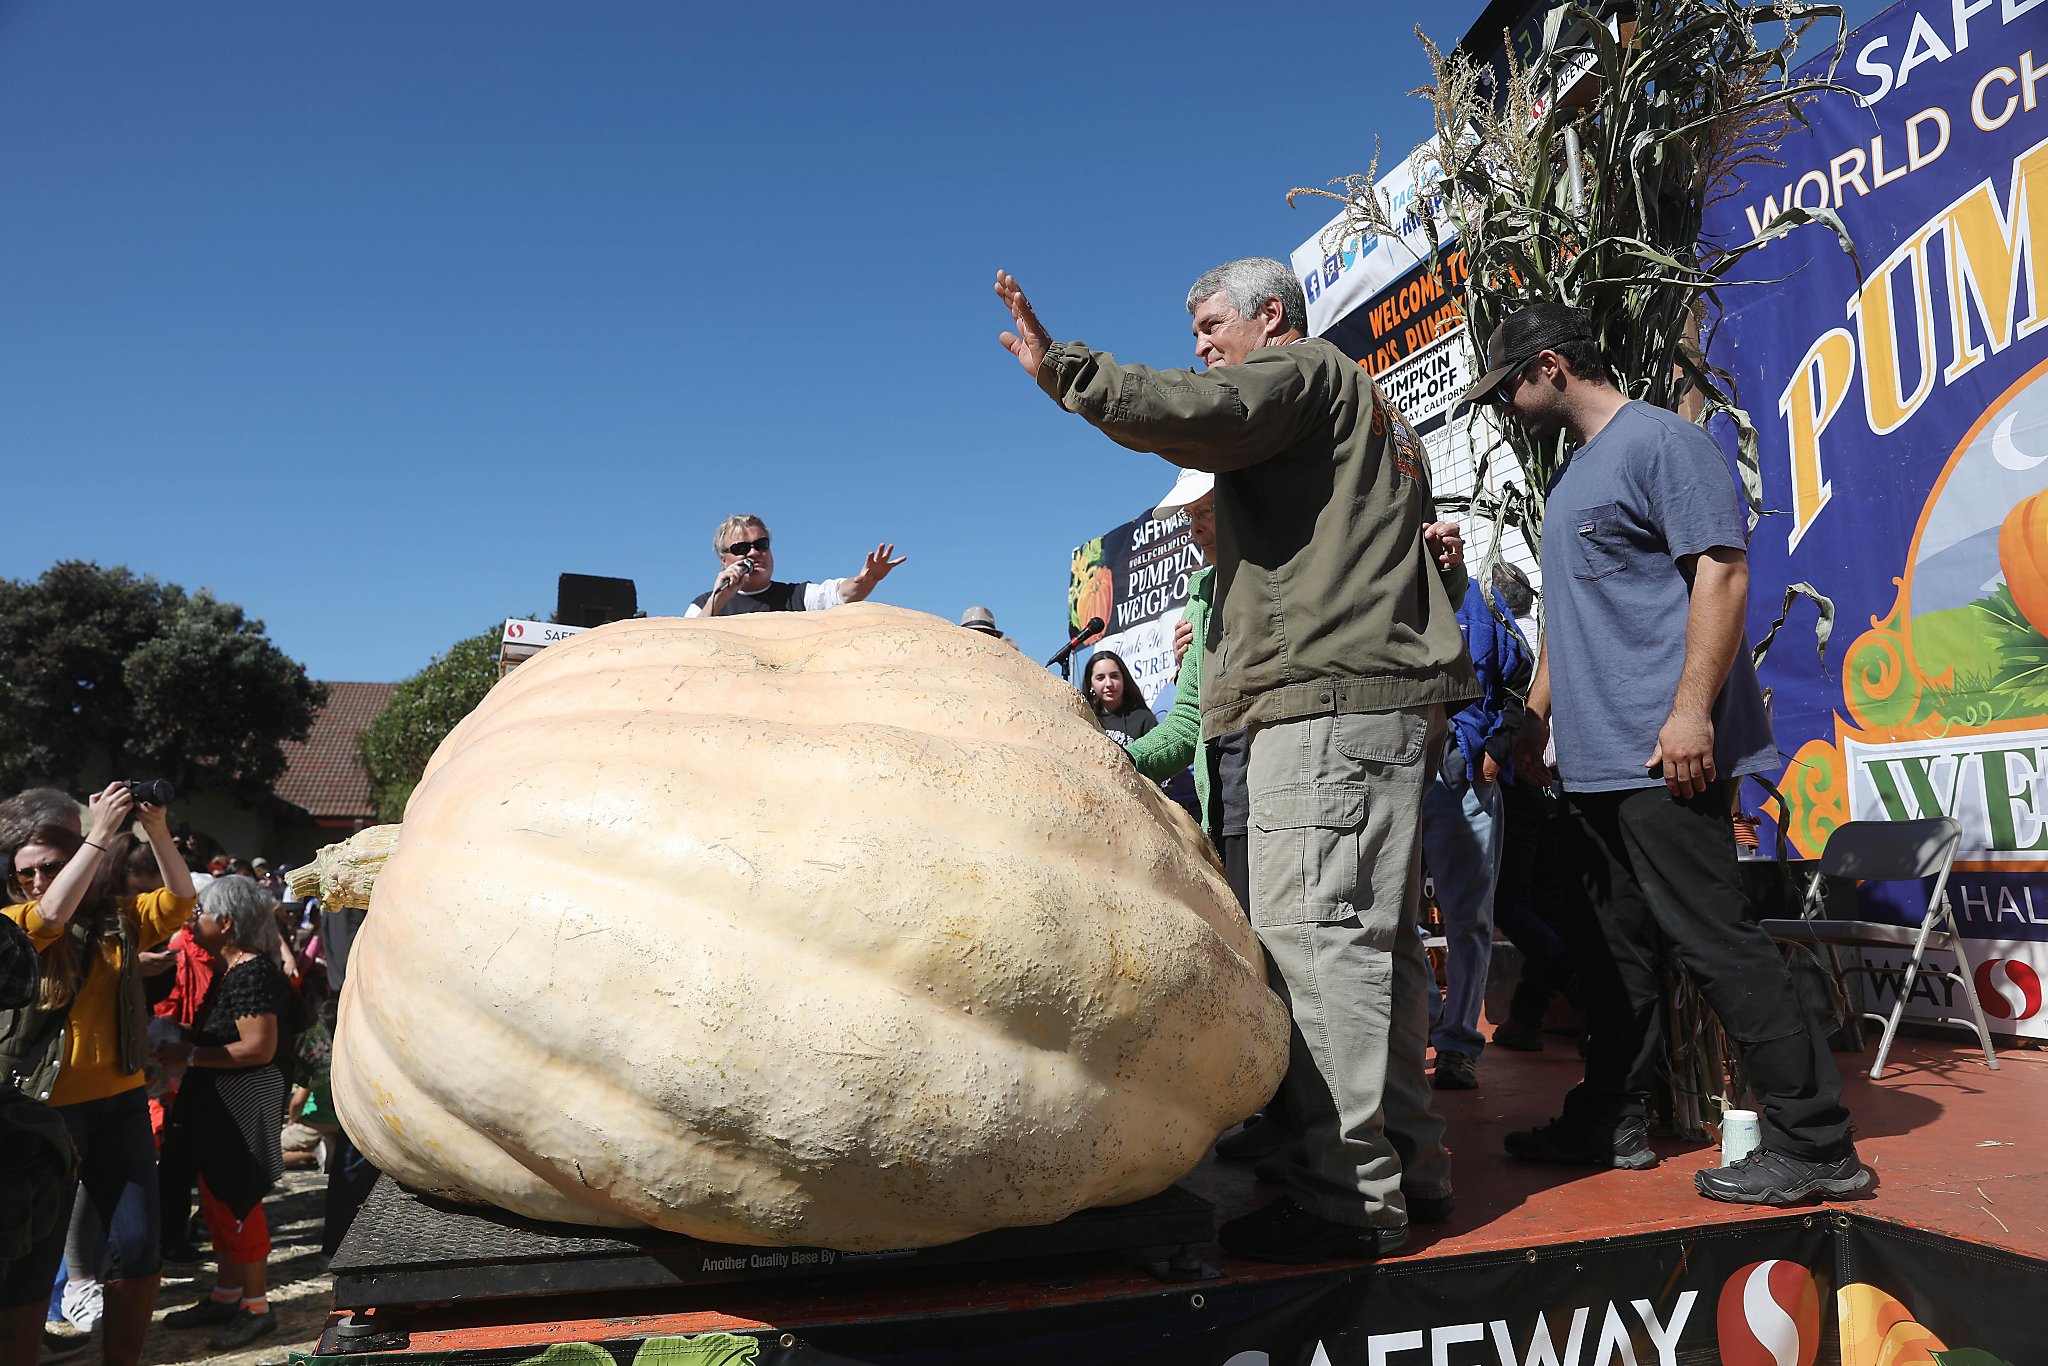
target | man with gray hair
[
  {"x": 746, "y": 575},
  {"x": 1334, "y": 642}
]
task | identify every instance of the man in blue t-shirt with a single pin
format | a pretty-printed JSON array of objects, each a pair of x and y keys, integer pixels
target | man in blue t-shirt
[{"x": 1645, "y": 683}]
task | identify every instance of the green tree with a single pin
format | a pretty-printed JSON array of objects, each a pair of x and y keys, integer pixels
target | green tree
[
  {"x": 108, "y": 667},
  {"x": 421, "y": 712}
]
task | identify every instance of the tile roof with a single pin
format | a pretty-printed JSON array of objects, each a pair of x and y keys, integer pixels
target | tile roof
[{"x": 324, "y": 773}]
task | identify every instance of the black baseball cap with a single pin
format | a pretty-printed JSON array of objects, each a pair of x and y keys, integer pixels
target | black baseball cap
[{"x": 1526, "y": 334}]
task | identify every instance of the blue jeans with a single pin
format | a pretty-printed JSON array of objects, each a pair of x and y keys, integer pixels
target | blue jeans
[
  {"x": 1461, "y": 847},
  {"x": 117, "y": 1166}
]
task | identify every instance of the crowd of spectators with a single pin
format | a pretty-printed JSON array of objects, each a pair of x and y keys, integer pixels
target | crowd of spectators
[{"x": 165, "y": 1029}]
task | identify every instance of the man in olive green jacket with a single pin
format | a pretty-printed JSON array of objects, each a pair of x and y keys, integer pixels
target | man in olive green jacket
[
  {"x": 1177, "y": 741},
  {"x": 1334, "y": 642}
]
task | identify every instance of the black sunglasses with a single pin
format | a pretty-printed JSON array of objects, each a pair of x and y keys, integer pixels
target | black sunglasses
[
  {"x": 1499, "y": 394},
  {"x": 48, "y": 870},
  {"x": 747, "y": 547}
]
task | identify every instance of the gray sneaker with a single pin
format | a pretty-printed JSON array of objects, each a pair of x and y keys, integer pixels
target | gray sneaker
[
  {"x": 1455, "y": 1072},
  {"x": 1624, "y": 1143},
  {"x": 1768, "y": 1178},
  {"x": 246, "y": 1328}
]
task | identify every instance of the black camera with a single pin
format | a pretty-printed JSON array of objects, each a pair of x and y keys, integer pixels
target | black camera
[{"x": 155, "y": 791}]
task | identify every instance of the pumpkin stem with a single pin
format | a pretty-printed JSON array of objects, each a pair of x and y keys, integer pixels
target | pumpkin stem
[{"x": 341, "y": 875}]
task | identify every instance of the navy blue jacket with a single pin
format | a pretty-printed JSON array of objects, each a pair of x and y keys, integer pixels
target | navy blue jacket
[{"x": 1500, "y": 656}]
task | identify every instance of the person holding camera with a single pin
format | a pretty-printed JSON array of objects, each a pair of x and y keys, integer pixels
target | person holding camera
[
  {"x": 82, "y": 1046},
  {"x": 746, "y": 576}
]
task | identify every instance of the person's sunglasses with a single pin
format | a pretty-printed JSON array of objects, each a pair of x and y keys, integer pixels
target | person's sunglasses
[
  {"x": 747, "y": 547},
  {"x": 48, "y": 870},
  {"x": 1501, "y": 391}
]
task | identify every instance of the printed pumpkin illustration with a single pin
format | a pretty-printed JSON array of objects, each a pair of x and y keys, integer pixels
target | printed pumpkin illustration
[
  {"x": 1963, "y": 648},
  {"x": 1877, "y": 1330},
  {"x": 2023, "y": 555},
  {"x": 1091, "y": 591}
]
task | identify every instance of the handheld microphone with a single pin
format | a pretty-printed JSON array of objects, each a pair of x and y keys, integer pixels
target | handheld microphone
[{"x": 1081, "y": 637}]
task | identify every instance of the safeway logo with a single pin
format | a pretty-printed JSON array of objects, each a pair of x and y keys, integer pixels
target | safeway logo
[
  {"x": 514, "y": 630},
  {"x": 2008, "y": 989},
  {"x": 1611, "y": 1339},
  {"x": 1769, "y": 1315}
]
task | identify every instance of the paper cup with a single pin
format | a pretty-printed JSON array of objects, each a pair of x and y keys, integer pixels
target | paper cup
[{"x": 1741, "y": 1134}]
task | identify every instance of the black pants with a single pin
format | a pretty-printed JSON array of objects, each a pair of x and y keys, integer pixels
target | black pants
[
  {"x": 1237, "y": 863},
  {"x": 349, "y": 1179},
  {"x": 1657, "y": 869},
  {"x": 1529, "y": 901}
]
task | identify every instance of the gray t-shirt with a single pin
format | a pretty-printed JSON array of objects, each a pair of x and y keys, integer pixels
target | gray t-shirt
[{"x": 1650, "y": 489}]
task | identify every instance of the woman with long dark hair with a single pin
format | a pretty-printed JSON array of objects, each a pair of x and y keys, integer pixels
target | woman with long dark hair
[
  {"x": 83, "y": 1046},
  {"x": 1119, "y": 704}
]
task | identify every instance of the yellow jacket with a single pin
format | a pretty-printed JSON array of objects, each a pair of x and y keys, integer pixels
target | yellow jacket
[{"x": 92, "y": 1068}]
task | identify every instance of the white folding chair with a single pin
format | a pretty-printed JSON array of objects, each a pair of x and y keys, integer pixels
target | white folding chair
[{"x": 1891, "y": 851}]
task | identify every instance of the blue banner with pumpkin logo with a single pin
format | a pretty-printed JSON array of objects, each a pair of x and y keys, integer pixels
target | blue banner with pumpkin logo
[
  {"x": 1902, "y": 411},
  {"x": 1135, "y": 578}
]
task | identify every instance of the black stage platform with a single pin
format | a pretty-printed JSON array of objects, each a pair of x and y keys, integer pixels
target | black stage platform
[{"x": 406, "y": 1250}]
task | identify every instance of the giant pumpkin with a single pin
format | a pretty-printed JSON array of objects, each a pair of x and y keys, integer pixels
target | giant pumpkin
[{"x": 845, "y": 928}]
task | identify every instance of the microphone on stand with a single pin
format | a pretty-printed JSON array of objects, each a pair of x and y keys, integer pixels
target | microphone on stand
[{"x": 1065, "y": 657}]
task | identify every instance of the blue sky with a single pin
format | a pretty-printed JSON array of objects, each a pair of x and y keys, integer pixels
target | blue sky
[{"x": 375, "y": 317}]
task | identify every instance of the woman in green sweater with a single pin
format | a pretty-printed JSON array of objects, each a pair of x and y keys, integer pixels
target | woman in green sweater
[{"x": 1175, "y": 742}]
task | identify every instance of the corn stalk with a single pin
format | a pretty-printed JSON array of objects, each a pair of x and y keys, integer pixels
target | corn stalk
[{"x": 1600, "y": 203}]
